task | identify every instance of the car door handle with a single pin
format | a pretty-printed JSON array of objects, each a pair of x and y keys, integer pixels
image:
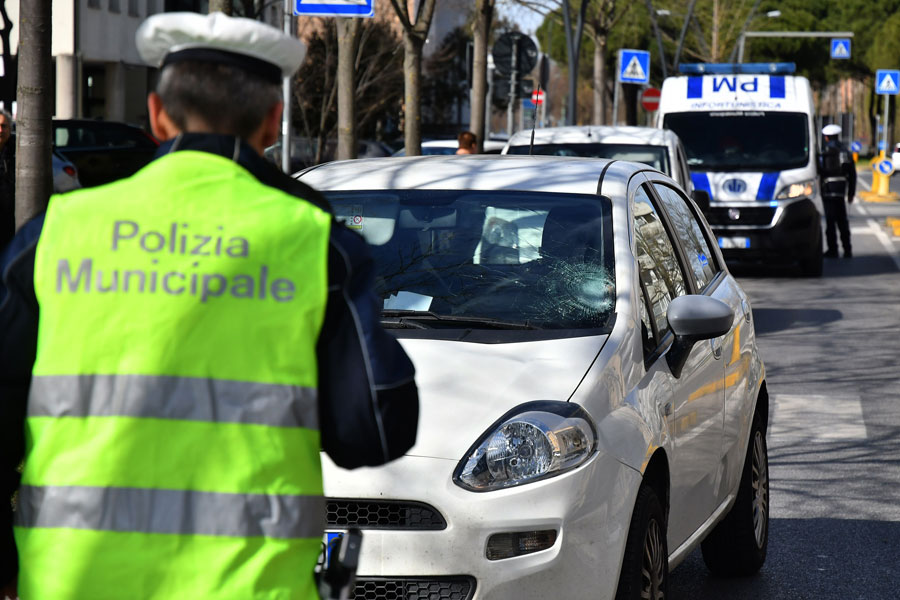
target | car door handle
[
  {"x": 716, "y": 346},
  {"x": 745, "y": 308}
]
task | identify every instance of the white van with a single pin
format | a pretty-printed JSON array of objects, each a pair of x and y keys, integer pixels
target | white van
[
  {"x": 662, "y": 150},
  {"x": 748, "y": 130}
]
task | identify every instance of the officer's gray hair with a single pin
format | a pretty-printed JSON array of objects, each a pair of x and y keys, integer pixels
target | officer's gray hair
[{"x": 227, "y": 99}]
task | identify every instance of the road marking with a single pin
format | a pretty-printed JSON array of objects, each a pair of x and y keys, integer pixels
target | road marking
[
  {"x": 885, "y": 241},
  {"x": 812, "y": 419}
]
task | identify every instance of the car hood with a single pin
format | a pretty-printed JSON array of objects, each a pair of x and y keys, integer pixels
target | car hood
[{"x": 465, "y": 387}]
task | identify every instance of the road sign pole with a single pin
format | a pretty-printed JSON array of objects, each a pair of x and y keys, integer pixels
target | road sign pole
[
  {"x": 511, "y": 107},
  {"x": 286, "y": 98},
  {"x": 615, "y": 115},
  {"x": 884, "y": 139}
]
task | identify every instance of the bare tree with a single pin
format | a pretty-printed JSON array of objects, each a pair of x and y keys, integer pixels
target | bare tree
[
  {"x": 34, "y": 175},
  {"x": 348, "y": 44},
  {"x": 484, "y": 16},
  {"x": 414, "y": 35},
  {"x": 223, "y": 6},
  {"x": 600, "y": 22}
]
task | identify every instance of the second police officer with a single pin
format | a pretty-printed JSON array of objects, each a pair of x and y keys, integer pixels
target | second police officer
[{"x": 837, "y": 179}]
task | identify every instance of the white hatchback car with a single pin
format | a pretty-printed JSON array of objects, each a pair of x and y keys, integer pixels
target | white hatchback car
[
  {"x": 593, "y": 404},
  {"x": 659, "y": 148}
]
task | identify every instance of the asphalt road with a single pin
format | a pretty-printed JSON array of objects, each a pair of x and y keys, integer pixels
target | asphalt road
[{"x": 832, "y": 354}]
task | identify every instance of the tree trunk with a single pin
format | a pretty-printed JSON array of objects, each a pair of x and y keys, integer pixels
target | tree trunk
[
  {"x": 412, "y": 96},
  {"x": 600, "y": 79},
  {"x": 573, "y": 47},
  {"x": 223, "y": 6},
  {"x": 348, "y": 40},
  {"x": 34, "y": 173},
  {"x": 482, "y": 29}
]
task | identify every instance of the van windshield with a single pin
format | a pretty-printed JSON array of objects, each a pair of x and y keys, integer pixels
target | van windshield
[{"x": 742, "y": 140}]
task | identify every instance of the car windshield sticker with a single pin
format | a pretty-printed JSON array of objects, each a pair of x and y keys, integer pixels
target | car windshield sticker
[{"x": 407, "y": 301}]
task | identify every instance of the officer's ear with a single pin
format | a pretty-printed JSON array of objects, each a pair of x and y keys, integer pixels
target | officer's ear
[
  {"x": 161, "y": 123},
  {"x": 272, "y": 125}
]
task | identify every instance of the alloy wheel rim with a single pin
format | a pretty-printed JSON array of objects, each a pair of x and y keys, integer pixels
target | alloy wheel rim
[
  {"x": 653, "y": 564},
  {"x": 760, "y": 484}
]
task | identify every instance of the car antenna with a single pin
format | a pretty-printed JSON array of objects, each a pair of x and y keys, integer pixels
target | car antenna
[{"x": 543, "y": 76}]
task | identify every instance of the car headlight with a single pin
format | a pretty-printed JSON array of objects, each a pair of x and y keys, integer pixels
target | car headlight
[
  {"x": 533, "y": 441},
  {"x": 797, "y": 190}
]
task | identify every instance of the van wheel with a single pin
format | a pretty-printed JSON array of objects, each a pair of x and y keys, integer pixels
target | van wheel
[
  {"x": 737, "y": 546},
  {"x": 811, "y": 266},
  {"x": 645, "y": 565}
]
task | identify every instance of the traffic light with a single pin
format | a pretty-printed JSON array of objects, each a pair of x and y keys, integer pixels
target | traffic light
[{"x": 500, "y": 87}]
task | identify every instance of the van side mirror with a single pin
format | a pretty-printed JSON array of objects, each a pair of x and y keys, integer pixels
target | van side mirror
[{"x": 701, "y": 198}]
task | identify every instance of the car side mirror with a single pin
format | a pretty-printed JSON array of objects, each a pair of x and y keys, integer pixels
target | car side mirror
[
  {"x": 694, "y": 318},
  {"x": 701, "y": 198}
]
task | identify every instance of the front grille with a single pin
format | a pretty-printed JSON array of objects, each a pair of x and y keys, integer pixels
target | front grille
[
  {"x": 383, "y": 514},
  {"x": 749, "y": 215},
  {"x": 414, "y": 588}
]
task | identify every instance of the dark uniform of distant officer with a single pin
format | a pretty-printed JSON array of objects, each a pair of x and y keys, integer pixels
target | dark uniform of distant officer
[
  {"x": 188, "y": 339},
  {"x": 837, "y": 178}
]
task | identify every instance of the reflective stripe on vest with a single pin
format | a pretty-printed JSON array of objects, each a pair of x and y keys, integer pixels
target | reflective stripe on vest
[{"x": 173, "y": 418}]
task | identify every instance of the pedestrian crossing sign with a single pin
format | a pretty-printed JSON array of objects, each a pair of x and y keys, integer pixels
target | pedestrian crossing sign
[
  {"x": 840, "y": 48},
  {"x": 334, "y": 8},
  {"x": 634, "y": 66},
  {"x": 887, "y": 82}
]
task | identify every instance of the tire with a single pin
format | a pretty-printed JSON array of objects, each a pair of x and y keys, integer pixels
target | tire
[
  {"x": 811, "y": 266},
  {"x": 645, "y": 564},
  {"x": 737, "y": 546}
]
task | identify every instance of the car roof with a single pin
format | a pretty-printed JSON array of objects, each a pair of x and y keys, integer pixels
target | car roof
[
  {"x": 604, "y": 134},
  {"x": 468, "y": 172}
]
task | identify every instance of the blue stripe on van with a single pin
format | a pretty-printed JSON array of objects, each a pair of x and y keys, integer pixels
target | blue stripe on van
[
  {"x": 776, "y": 86},
  {"x": 701, "y": 182},
  {"x": 695, "y": 87},
  {"x": 767, "y": 186}
]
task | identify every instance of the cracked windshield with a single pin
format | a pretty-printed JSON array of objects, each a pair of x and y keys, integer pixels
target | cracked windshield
[{"x": 534, "y": 260}]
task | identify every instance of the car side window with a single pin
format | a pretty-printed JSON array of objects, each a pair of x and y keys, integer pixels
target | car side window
[
  {"x": 660, "y": 270},
  {"x": 690, "y": 234}
]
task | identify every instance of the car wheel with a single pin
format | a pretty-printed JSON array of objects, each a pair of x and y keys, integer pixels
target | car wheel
[
  {"x": 645, "y": 565},
  {"x": 811, "y": 266},
  {"x": 737, "y": 546}
]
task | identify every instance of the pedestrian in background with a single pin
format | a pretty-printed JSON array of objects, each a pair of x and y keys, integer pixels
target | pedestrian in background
[
  {"x": 468, "y": 144},
  {"x": 7, "y": 180},
  {"x": 837, "y": 180},
  {"x": 205, "y": 328}
]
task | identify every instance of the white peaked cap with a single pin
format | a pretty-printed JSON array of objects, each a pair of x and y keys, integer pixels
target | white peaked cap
[
  {"x": 831, "y": 130},
  {"x": 167, "y": 38}
]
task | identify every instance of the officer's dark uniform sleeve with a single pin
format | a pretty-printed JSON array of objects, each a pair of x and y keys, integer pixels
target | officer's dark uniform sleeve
[
  {"x": 368, "y": 407},
  {"x": 18, "y": 344},
  {"x": 849, "y": 168}
]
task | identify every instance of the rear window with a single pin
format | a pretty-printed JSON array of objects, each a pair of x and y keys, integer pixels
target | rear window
[
  {"x": 100, "y": 135},
  {"x": 655, "y": 156}
]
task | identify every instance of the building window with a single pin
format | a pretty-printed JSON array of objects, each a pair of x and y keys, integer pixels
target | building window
[
  {"x": 114, "y": 6},
  {"x": 151, "y": 7},
  {"x": 133, "y": 8},
  {"x": 93, "y": 3}
]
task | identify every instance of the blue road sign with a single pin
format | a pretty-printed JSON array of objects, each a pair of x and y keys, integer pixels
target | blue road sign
[
  {"x": 887, "y": 82},
  {"x": 855, "y": 147},
  {"x": 527, "y": 104},
  {"x": 334, "y": 8},
  {"x": 882, "y": 145},
  {"x": 634, "y": 66},
  {"x": 840, "y": 48},
  {"x": 885, "y": 166}
]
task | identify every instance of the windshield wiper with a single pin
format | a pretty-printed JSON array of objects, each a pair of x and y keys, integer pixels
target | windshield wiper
[{"x": 427, "y": 315}]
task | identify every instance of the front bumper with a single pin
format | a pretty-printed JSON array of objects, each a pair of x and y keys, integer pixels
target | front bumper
[
  {"x": 589, "y": 507},
  {"x": 782, "y": 234}
]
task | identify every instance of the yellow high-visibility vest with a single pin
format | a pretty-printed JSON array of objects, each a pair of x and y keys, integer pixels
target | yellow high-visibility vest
[{"x": 172, "y": 426}]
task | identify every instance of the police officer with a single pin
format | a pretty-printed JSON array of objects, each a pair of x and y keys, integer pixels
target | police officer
[
  {"x": 205, "y": 327},
  {"x": 837, "y": 178}
]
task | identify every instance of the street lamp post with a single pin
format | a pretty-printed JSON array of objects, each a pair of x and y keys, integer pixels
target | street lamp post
[{"x": 787, "y": 34}]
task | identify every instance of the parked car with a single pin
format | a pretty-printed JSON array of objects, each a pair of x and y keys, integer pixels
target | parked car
[
  {"x": 303, "y": 151},
  {"x": 448, "y": 147},
  {"x": 103, "y": 151},
  {"x": 659, "y": 148},
  {"x": 65, "y": 174},
  {"x": 895, "y": 157},
  {"x": 593, "y": 405}
]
